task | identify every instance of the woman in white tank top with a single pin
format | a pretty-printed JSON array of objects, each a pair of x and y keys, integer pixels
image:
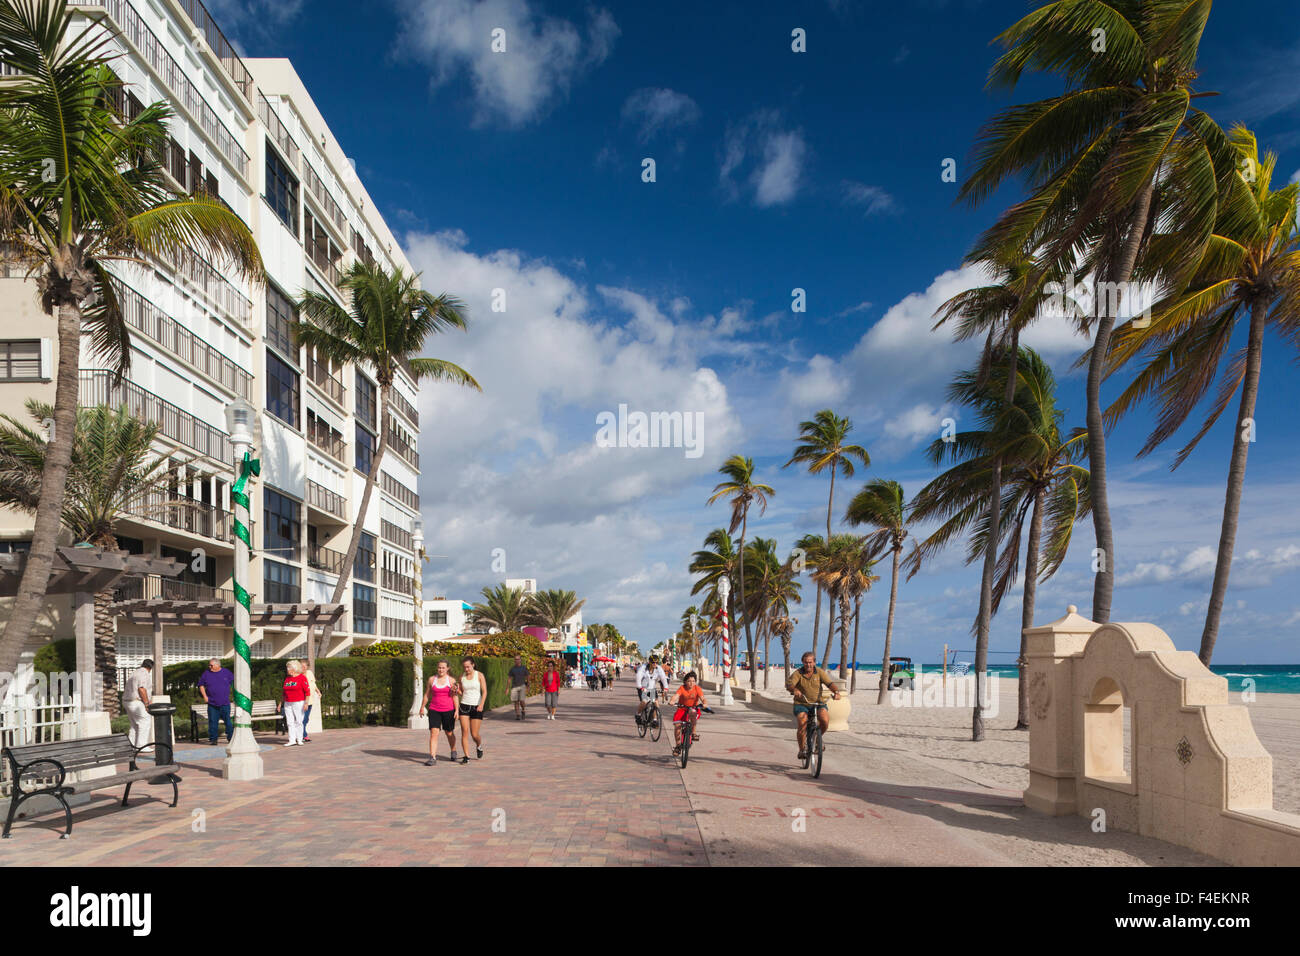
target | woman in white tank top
[{"x": 473, "y": 694}]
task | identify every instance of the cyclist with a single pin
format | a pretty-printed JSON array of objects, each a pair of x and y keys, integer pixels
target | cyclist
[
  {"x": 649, "y": 677},
  {"x": 689, "y": 696},
  {"x": 806, "y": 685}
]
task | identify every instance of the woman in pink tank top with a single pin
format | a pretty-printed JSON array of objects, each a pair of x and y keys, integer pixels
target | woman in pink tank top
[{"x": 441, "y": 695}]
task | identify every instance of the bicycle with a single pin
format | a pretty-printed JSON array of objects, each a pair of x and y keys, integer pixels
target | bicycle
[
  {"x": 649, "y": 720},
  {"x": 813, "y": 745},
  {"x": 688, "y": 732}
]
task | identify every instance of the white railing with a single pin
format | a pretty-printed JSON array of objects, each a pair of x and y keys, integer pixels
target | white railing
[{"x": 26, "y": 720}]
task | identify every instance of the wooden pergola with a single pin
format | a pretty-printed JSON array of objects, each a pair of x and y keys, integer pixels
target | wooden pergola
[{"x": 85, "y": 570}]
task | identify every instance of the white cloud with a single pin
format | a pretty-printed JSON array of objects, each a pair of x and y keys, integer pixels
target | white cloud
[
  {"x": 872, "y": 199},
  {"x": 543, "y": 57},
  {"x": 656, "y": 109},
  {"x": 773, "y": 155}
]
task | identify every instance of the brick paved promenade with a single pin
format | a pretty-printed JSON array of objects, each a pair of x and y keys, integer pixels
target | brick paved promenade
[{"x": 583, "y": 789}]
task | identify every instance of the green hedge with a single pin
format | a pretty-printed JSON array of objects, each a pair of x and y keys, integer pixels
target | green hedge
[{"x": 56, "y": 657}]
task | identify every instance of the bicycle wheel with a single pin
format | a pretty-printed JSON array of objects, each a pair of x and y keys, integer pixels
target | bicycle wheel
[
  {"x": 807, "y": 742},
  {"x": 687, "y": 731},
  {"x": 815, "y": 751},
  {"x": 641, "y": 727},
  {"x": 656, "y": 726}
]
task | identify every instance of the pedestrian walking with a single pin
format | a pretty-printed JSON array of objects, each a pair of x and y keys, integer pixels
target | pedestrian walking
[
  {"x": 551, "y": 688},
  {"x": 312, "y": 700},
  {"x": 519, "y": 688},
  {"x": 215, "y": 686},
  {"x": 600, "y": 673},
  {"x": 135, "y": 698},
  {"x": 295, "y": 693},
  {"x": 590, "y": 673},
  {"x": 473, "y": 692},
  {"x": 440, "y": 699}
]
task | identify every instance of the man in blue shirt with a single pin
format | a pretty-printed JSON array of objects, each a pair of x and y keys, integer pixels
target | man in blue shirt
[{"x": 215, "y": 686}]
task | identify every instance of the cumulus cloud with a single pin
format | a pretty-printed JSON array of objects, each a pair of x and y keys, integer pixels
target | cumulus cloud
[
  {"x": 544, "y": 56},
  {"x": 656, "y": 109},
  {"x": 764, "y": 158}
]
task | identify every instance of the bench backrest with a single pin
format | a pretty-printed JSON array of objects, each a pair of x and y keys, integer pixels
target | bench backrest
[
  {"x": 261, "y": 708},
  {"x": 82, "y": 754}
]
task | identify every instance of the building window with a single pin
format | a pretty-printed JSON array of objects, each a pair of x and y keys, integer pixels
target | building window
[
  {"x": 363, "y": 568},
  {"x": 281, "y": 389},
  {"x": 280, "y": 583},
  {"x": 364, "y": 609},
  {"x": 281, "y": 525},
  {"x": 366, "y": 407},
  {"x": 365, "y": 449},
  {"x": 438, "y": 617},
  {"x": 280, "y": 316},
  {"x": 15, "y": 547},
  {"x": 20, "y": 361},
  {"x": 281, "y": 189}
]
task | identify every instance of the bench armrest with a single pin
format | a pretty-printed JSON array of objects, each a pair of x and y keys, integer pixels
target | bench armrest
[{"x": 20, "y": 769}]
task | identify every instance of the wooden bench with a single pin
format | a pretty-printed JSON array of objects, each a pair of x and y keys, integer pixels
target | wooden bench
[
  {"x": 262, "y": 710},
  {"x": 40, "y": 762}
]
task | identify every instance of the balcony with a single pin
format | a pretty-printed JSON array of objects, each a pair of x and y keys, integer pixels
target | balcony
[
  {"x": 155, "y": 587},
  {"x": 316, "y": 187},
  {"x": 397, "y": 582},
  {"x": 97, "y": 387},
  {"x": 325, "y": 559},
  {"x": 402, "y": 449},
  {"x": 326, "y": 439},
  {"x": 199, "y": 273},
  {"x": 398, "y": 628},
  {"x": 395, "y": 535},
  {"x": 230, "y": 60},
  {"x": 322, "y": 499},
  {"x": 321, "y": 377},
  {"x": 183, "y": 514},
  {"x": 404, "y": 408},
  {"x": 399, "y": 491},
  {"x": 143, "y": 316},
  {"x": 279, "y": 134}
]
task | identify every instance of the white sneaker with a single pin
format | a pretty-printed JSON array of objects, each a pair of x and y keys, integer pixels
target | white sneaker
[{"x": 288, "y": 743}]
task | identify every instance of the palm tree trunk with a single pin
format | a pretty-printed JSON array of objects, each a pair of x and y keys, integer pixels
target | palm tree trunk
[
  {"x": 1103, "y": 588},
  {"x": 785, "y": 649},
  {"x": 857, "y": 613},
  {"x": 830, "y": 627},
  {"x": 1027, "y": 609},
  {"x": 359, "y": 522},
  {"x": 889, "y": 629},
  {"x": 830, "y": 605},
  {"x": 30, "y": 598},
  {"x": 1236, "y": 480},
  {"x": 749, "y": 634},
  {"x": 844, "y": 632},
  {"x": 106, "y": 653},
  {"x": 817, "y": 619}
]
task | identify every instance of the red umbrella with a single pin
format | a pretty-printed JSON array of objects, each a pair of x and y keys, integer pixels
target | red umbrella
[{"x": 603, "y": 658}]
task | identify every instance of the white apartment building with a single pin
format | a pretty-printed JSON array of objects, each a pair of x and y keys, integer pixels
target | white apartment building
[
  {"x": 445, "y": 620},
  {"x": 248, "y": 132}
]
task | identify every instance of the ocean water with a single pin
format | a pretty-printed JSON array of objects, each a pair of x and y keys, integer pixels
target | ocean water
[{"x": 1268, "y": 678}]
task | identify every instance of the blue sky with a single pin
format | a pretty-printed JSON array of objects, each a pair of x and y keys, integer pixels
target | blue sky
[{"x": 775, "y": 170}]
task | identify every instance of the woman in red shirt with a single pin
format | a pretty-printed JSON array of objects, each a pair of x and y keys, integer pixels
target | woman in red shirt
[
  {"x": 296, "y": 692},
  {"x": 551, "y": 687}
]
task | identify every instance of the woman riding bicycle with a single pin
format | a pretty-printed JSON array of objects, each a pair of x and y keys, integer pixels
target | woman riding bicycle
[{"x": 689, "y": 697}]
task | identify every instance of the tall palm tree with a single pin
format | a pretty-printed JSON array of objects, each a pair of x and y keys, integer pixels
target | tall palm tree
[
  {"x": 1251, "y": 272},
  {"x": 113, "y": 466},
  {"x": 502, "y": 607},
  {"x": 386, "y": 328},
  {"x": 83, "y": 187},
  {"x": 1121, "y": 149},
  {"x": 844, "y": 572},
  {"x": 743, "y": 490},
  {"x": 717, "y": 560},
  {"x": 825, "y": 448},
  {"x": 551, "y": 608},
  {"x": 783, "y": 628},
  {"x": 812, "y": 546},
  {"x": 770, "y": 587},
  {"x": 882, "y": 505}
]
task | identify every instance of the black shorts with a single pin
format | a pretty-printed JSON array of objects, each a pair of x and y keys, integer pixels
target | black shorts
[
  {"x": 473, "y": 713},
  {"x": 446, "y": 719}
]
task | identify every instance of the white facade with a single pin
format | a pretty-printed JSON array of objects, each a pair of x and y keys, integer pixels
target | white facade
[
  {"x": 572, "y": 626},
  {"x": 444, "y": 619}
]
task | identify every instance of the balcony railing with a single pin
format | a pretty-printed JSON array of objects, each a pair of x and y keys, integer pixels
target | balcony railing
[
  {"x": 399, "y": 491},
  {"x": 398, "y": 627},
  {"x": 195, "y": 517},
  {"x": 316, "y": 186},
  {"x": 137, "y": 31},
  {"x": 279, "y": 133},
  {"x": 144, "y": 316},
  {"x": 214, "y": 285},
  {"x": 321, "y": 376},
  {"x": 230, "y": 60},
  {"x": 97, "y": 387},
  {"x": 321, "y": 498},
  {"x": 404, "y": 451},
  {"x": 156, "y": 587},
  {"x": 405, "y": 408},
  {"x": 397, "y": 582},
  {"x": 325, "y": 559},
  {"x": 329, "y": 269},
  {"x": 395, "y": 535},
  {"x": 326, "y": 439}
]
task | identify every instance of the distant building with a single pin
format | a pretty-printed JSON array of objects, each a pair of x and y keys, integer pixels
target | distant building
[{"x": 572, "y": 626}]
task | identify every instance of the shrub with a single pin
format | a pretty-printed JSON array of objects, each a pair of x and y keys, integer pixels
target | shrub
[
  {"x": 56, "y": 657},
  {"x": 381, "y": 649}
]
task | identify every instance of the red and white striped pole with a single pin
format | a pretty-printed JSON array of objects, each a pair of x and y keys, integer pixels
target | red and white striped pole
[{"x": 724, "y": 591}]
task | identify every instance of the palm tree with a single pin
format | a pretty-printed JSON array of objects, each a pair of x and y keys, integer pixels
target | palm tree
[
  {"x": 824, "y": 448},
  {"x": 1119, "y": 150},
  {"x": 783, "y": 628},
  {"x": 770, "y": 588},
  {"x": 882, "y": 505},
  {"x": 716, "y": 561},
  {"x": 743, "y": 490},
  {"x": 83, "y": 187},
  {"x": 386, "y": 328},
  {"x": 1044, "y": 483},
  {"x": 844, "y": 572},
  {"x": 550, "y": 609},
  {"x": 112, "y": 468},
  {"x": 1251, "y": 271},
  {"x": 812, "y": 546},
  {"x": 502, "y": 607}
]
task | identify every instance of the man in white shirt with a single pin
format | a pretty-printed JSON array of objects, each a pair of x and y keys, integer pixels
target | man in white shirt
[
  {"x": 647, "y": 675},
  {"x": 135, "y": 700}
]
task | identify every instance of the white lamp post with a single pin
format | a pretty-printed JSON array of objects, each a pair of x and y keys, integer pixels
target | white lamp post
[
  {"x": 417, "y": 720},
  {"x": 243, "y": 757},
  {"x": 724, "y": 591}
]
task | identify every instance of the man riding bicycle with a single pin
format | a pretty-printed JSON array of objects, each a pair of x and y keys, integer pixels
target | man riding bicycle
[
  {"x": 806, "y": 685},
  {"x": 648, "y": 676},
  {"x": 689, "y": 697}
]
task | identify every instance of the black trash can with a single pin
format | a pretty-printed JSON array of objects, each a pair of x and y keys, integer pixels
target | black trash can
[{"x": 162, "y": 731}]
